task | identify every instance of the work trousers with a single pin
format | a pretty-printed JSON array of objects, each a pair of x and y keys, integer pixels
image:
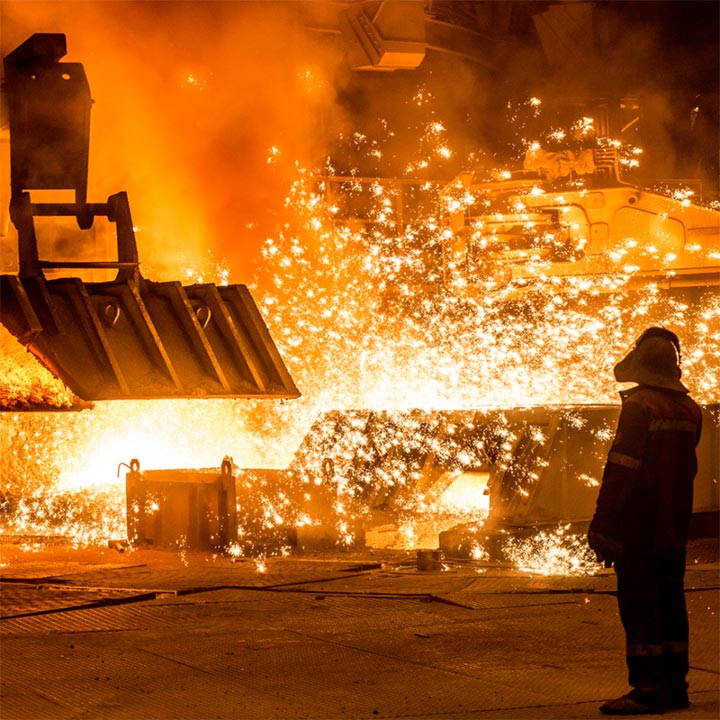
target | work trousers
[{"x": 651, "y": 600}]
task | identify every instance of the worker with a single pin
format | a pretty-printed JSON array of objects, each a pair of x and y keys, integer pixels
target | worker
[{"x": 642, "y": 518}]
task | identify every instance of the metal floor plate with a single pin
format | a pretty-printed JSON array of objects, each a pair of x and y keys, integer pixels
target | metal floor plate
[{"x": 316, "y": 641}]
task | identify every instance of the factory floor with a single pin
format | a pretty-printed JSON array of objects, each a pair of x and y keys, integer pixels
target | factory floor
[{"x": 145, "y": 635}]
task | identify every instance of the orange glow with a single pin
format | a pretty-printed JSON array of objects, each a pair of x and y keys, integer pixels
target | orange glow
[
  {"x": 225, "y": 189},
  {"x": 468, "y": 493},
  {"x": 354, "y": 333}
]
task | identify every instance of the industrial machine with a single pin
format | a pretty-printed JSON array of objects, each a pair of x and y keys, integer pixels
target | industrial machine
[
  {"x": 568, "y": 216},
  {"x": 566, "y": 222},
  {"x": 514, "y": 470},
  {"x": 129, "y": 337},
  {"x": 191, "y": 509}
]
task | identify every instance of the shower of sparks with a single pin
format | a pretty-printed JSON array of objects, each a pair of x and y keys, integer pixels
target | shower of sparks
[
  {"x": 311, "y": 80},
  {"x": 584, "y": 126},
  {"x": 369, "y": 313},
  {"x": 422, "y": 96},
  {"x": 25, "y": 382},
  {"x": 273, "y": 155},
  {"x": 555, "y": 552}
]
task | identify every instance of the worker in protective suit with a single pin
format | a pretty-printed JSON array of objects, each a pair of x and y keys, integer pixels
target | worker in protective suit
[{"x": 641, "y": 521}]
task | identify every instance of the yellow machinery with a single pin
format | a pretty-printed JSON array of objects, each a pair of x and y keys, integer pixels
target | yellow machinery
[
  {"x": 524, "y": 230},
  {"x": 566, "y": 222}
]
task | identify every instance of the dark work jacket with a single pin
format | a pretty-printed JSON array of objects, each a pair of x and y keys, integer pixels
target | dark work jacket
[{"x": 646, "y": 495}]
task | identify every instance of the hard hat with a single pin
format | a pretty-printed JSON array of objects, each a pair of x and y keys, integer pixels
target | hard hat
[{"x": 654, "y": 361}]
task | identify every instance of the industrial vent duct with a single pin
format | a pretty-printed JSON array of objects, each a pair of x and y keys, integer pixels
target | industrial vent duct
[
  {"x": 128, "y": 338},
  {"x": 385, "y": 35}
]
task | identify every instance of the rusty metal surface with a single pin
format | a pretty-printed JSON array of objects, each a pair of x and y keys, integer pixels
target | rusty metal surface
[
  {"x": 111, "y": 618},
  {"x": 137, "y": 339},
  {"x": 191, "y": 509},
  {"x": 25, "y": 599}
]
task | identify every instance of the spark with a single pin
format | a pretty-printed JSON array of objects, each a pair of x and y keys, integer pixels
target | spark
[
  {"x": 584, "y": 126},
  {"x": 554, "y": 552},
  {"x": 195, "y": 82},
  {"x": 273, "y": 155},
  {"x": 347, "y": 304}
]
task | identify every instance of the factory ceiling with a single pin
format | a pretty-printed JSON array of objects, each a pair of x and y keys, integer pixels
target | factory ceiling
[{"x": 396, "y": 35}]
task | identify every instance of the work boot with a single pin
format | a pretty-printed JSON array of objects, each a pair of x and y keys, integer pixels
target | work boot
[
  {"x": 625, "y": 705},
  {"x": 677, "y": 699}
]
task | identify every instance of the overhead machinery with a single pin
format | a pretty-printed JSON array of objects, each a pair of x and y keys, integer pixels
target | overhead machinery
[{"x": 129, "y": 337}]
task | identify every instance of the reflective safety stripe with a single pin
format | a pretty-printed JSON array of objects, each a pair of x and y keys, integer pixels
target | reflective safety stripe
[
  {"x": 675, "y": 647},
  {"x": 644, "y": 650},
  {"x": 627, "y": 461},
  {"x": 676, "y": 425}
]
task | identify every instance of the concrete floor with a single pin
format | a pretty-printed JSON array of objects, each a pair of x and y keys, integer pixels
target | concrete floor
[{"x": 148, "y": 635}]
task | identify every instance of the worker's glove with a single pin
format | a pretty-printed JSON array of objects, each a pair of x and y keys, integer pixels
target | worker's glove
[{"x": 605, "y": 548}]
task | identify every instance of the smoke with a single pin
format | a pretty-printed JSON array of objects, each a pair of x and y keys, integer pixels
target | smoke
[
  {"x": 191, "y": 102},
  {"x": 203, "y": 109},
  {"x": 664, "y": 55}
]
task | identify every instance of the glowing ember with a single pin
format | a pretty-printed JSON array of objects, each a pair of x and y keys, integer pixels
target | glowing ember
[
  {"x": 25, "y": 383},
  {"x": 468, "y": 493}
]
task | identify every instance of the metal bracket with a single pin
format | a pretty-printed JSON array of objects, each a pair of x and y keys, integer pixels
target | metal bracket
[
  {"x": 49, "y": 115},
  {"x": 116, "y": 209}
]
